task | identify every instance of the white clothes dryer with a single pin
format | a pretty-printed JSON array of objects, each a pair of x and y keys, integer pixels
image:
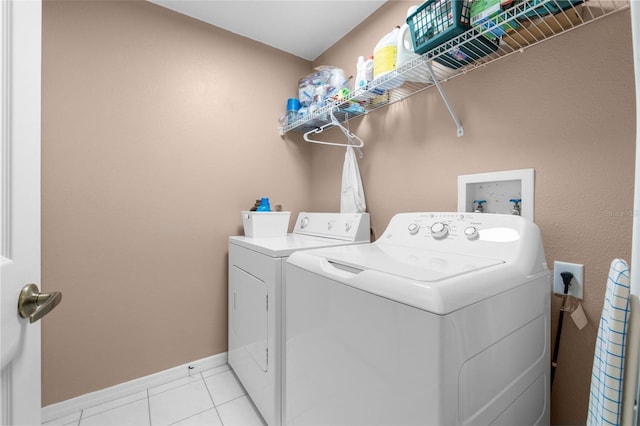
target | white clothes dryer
[
  {"x": 444, "y": 320},
  {"x": 256, "y": 273}
]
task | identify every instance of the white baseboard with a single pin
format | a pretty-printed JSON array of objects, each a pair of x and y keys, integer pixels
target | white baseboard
[{"x": 74, "y": 405}]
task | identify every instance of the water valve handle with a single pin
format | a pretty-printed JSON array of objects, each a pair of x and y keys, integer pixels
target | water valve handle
[
  {"x": 479, "y": 208},
  {"x": 516, "y": 206}
]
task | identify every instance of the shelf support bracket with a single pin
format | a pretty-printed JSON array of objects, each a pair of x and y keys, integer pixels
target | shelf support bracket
[{"x": 460, "y": 130}]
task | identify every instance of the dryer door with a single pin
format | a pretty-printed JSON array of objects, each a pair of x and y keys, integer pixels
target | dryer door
[{"x": 249, "y": 315}]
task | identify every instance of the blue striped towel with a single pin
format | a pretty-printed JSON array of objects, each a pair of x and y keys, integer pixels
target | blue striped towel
[{"x": 605, "y": 400}]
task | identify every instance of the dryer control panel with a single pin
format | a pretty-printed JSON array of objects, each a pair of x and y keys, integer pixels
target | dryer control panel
[{"x": 340, "y": 226}]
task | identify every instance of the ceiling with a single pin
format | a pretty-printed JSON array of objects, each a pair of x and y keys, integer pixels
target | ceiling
[{"x": 300, "y": 27}]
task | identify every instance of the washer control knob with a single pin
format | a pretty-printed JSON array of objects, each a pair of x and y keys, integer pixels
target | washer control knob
[
  {"x": 439, "y": 230},
  {"x": 471, "y": 232},
  {"x": 304, "y": 222},
  {"x": 413, "y": 228},
  {"x": 347, "y": 226}
]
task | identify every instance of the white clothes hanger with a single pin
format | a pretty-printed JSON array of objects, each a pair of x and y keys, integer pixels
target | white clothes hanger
[{"x": 351, "y": 137}]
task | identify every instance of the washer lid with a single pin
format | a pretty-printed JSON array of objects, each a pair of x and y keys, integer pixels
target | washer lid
[
  {"x": 409, "y": 263},
  {"x": 432, "y": 281}
]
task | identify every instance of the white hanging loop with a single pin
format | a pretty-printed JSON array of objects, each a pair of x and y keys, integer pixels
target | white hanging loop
[
  {"x": 349, "y": 134},
  {"x": 351, "y": 137}
]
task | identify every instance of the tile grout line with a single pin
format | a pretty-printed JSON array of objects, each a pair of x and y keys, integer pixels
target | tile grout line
[
  {"x": 149, "y": 406},
  {"x": 191, "y": 416},
  {"x": 231, "y": 400},
  {"x": 83, "y": 416},
  {"x": 169, "y": 389},
  {"x": 183, "y": 384},
  {"x": 211, "y": 396},
  {"x": 214, "y": 374}
]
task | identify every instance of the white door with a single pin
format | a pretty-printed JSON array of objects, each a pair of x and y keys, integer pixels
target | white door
[
  {"x": 20, "y": 28},
  {"x": 631, "y": 390}
]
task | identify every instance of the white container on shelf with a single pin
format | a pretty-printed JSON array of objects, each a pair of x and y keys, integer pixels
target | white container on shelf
[
  {"x": 419, "y": 74},
  {"x": 368, "y": 68},
  {"x": 405, "y": 45},
  {"x": 385, "y": 55},
  {"x": 361, "y": 74},
  {"x": 265, "y": 224}
]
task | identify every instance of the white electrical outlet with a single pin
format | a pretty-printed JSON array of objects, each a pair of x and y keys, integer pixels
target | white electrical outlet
[{"x": 577, "y": 282}]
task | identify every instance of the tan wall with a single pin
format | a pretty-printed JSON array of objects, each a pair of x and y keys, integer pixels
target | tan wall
[
  {"x": 564, "y": 108},
  {"x": 157, "y": 130}
]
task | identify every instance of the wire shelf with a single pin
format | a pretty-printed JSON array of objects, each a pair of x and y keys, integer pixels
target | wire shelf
[{"x": 534, "y": 25}]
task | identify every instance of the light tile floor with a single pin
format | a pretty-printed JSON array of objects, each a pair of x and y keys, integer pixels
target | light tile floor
[{"x": 212, "y": 397}]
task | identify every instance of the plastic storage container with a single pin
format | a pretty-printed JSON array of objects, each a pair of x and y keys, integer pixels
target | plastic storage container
[
  {"x": 465, "y": 53},
  {"x": 265, "y": 224},
  {"x": 489, "y": 15},
  {"x": 436, "y": 22},
  {"x": 293, "y": 106}
]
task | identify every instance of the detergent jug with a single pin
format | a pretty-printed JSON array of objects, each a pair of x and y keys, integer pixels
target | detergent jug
[
  {"x": 385, "y": 55},
  {"x": 419, "y": 74}
]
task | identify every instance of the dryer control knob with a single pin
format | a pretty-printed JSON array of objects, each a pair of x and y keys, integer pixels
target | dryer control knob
[
  {"x": 304, "y": 222},
  {"x": 413, "y": 228},
  {"x": 439, "y": 230},
  {"x": 471, "y": 233},
  {"x": 347, "y": 226}
]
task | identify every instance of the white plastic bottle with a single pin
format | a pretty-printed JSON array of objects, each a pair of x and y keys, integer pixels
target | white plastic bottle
[
  {"x": 405, "y": 44},
  {"x": 385, "y": 55},
  {"x": 361, "y": 74},
  {"x": 368, "y": 68},
  {"x": 406, "y": 53}
]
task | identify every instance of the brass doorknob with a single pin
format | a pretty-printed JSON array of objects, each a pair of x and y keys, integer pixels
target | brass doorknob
[{"x": 34, "y": 305}]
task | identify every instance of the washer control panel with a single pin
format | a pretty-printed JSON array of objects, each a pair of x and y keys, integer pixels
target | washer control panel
[
  {"x": 426, "y": 229},
  {"x": 417, "y": 238}
]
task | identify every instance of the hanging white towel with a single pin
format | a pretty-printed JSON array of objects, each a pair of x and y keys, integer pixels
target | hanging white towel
[
  {"x": 352, "y": 199},
  {"x": 605, "y": 400}
]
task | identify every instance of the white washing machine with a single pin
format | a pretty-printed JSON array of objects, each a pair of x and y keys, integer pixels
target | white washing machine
[
  {"x": 444, "y": 320},
  {"x": 256, "y": 272}
]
